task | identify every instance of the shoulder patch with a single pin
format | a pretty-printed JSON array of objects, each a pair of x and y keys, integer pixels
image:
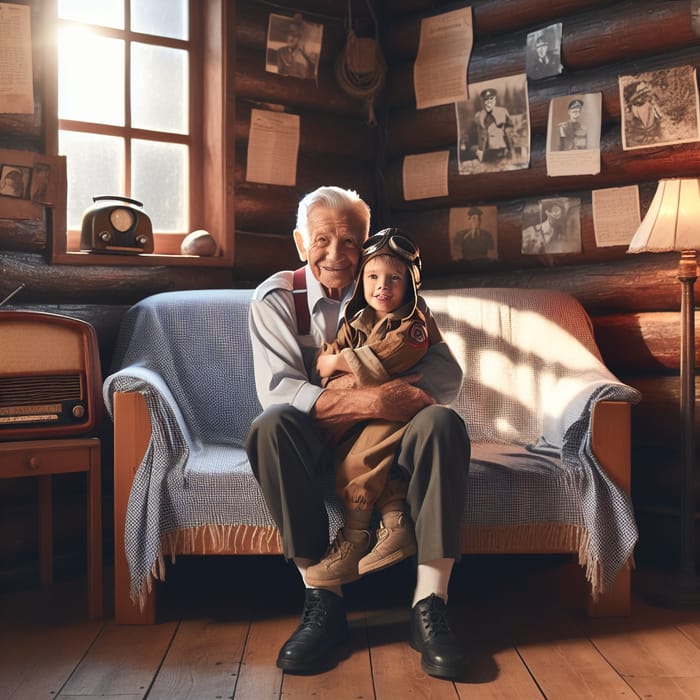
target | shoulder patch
[{"x": 416, "y": 334}]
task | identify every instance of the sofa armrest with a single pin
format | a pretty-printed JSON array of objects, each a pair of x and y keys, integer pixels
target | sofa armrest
[
  {"x": 611, "y": 440},
  {"x": 132, "y": 434},
  {"x": 611, "y": 444}
]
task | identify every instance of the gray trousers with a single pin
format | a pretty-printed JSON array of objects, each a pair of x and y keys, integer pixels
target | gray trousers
[{"x": 287, "y": 453}]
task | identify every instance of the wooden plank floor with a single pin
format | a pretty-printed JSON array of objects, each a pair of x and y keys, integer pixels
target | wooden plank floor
[{"x": 222, "y": 621}]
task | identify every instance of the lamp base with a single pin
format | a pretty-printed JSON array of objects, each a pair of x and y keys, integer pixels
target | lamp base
[{"x": 678, "y": 591}]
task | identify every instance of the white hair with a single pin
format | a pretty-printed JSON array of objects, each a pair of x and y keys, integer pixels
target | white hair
[{"x": 331, "y": 197}]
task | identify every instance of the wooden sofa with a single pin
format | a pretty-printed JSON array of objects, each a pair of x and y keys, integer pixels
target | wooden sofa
[{"x": 550, "y": 430}]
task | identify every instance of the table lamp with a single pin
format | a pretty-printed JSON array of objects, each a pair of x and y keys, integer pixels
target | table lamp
[{"x": 673, "y": 223}]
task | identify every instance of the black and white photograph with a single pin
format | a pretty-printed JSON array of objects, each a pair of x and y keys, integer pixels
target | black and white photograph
[
  {"x": 493, "y": 126},
  {"x": 293, "y": 46},
  {"x": 659, "y": 107},
  {"x": 552, "y": 226},
  {"x": 14, "y": 180},
  {"x": 543, "y": 52},
  {"x": 573, "y": 134},
  {"x": 473, "y": 233}
]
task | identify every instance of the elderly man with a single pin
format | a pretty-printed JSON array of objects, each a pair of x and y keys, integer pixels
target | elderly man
[{"x": 291, "y": 443}]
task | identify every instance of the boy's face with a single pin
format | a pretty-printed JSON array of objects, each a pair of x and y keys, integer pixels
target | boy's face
[{"x": 385, "y": 281}]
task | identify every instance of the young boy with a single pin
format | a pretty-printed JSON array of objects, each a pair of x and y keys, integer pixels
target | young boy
[{"x": 383, "y": 334}]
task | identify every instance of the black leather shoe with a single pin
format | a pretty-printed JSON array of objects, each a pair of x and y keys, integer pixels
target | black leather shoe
[
  {"x": 441, "y": 653},
  {"x": 323, "y": 627}
]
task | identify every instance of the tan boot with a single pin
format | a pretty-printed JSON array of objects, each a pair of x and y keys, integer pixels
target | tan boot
[
  {"x": 339, "y": 564},
  {"x": 396, "y": 540}
]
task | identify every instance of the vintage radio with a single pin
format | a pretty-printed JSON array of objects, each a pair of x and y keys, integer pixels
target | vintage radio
[
  {"x": 115, "y": 224},
  {"x": 50, "y": 376}
]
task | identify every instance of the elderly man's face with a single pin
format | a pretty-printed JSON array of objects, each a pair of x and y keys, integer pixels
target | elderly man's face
[{"x": 334, "y": 247}]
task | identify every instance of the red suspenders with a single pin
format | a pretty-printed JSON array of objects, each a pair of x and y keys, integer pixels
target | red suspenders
[{"x": 301, "y": 301}]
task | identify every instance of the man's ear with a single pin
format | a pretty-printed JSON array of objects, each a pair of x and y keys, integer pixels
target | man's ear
[{"x": 301, "y": 248}]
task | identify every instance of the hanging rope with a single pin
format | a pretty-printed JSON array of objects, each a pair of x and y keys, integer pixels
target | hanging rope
[{"x": 360, "y": 67}]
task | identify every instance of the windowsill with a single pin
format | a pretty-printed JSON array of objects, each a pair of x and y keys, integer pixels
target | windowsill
[{"x": 85, "y": 258}]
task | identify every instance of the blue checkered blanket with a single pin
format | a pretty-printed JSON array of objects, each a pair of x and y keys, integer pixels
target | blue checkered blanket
[{"x": 532, "y": 376}]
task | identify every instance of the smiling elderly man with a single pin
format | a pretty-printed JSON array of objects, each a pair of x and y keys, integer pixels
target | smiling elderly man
[{"x": 291, "y": 443}]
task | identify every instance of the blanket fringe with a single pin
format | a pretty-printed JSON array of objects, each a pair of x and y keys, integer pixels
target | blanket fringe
[
  {"x": 537, "y": 538},
  {"x": 208, "y": 539}
]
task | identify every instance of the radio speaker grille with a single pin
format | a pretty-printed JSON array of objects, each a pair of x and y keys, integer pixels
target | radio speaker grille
[{"x": 24, "y": 391}]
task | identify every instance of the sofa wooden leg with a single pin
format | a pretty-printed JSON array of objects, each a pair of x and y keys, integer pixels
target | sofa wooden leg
[{"x": 617, "y": 601}]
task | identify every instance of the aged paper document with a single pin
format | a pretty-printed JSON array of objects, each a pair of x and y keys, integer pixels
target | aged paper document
[
  {"x": 16, "y": 81},
  {"x": 444, "y": 47},
  {"x": 616, "y": 215},
  {"x": 425, "y": 175},
  {"x": 273, "y": 148}
]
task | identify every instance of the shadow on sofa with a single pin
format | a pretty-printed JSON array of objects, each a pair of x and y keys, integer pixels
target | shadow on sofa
[{"x": 550, "y": 430}]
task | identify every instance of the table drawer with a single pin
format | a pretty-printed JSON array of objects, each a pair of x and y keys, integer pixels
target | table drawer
[{"x": 35, "y": 461}]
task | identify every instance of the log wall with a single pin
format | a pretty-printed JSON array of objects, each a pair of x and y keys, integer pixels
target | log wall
[{"x": 633, "y": 299}]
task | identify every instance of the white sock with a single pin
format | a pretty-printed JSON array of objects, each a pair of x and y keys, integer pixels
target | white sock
[
  {"x": 433, "y": 577},
  {"x": 302, "y": 564}
]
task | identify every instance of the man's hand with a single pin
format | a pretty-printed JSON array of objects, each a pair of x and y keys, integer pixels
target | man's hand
[{"x": 338, "y": 410}]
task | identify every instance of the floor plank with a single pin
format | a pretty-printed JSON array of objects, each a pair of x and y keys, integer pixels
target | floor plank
[
  {"x": 123, "y": 661},
  {"x": 203, "y": 661},
  {"x": 527, "y": 639}
]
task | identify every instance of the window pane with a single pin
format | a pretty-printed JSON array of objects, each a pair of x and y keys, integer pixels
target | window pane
[
  {"x": 159, "y": 180},
  {"x": 159, "y": 99},
  {"x": 90, "y": 77},
  {"x": 95, "y": 166},
  {"x": 106, "y": 13},
  {"x": 160, "y": 17}
]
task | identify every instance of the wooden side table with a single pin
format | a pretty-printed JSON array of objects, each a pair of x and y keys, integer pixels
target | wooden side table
[{"x": 42, "y": 459}]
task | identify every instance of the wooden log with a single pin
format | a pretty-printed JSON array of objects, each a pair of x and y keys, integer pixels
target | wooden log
[
  {"x": 633, "y": 284},
  {"x": 23, "y": 235},
  {"x": 488, "y": 16},
  {"x": 314, "y": 170},
  {"x": 340, "y": 136},
  {"x": 430, "y": 230},
  {"x": 251, "y": 267},
  {"x": 642, "y": 342},
  {"x": 69, "y": 284},
  {"x": 597, "y": 33},
  {"x": 618, "y": 168},
  {"x": 411, "y": 130},
  {"x": 266, "y": 209},
  {"x": 253, "y": 82},
  {"x": 656, "y": 419}
]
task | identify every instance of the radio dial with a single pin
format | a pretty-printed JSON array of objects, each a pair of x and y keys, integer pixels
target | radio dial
[
  {"x": 105, "y": 236},
  {"x": 78, "y": 411},
  {"x": 142, "y": 240}
]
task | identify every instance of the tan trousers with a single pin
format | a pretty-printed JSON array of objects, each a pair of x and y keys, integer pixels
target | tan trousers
[{"x": 364, "y": 464}]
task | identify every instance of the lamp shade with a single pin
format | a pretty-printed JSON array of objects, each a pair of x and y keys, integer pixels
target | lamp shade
[{"x": 673, "y": 219}]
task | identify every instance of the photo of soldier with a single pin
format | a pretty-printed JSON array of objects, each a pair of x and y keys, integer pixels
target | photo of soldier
[
  {"x": 572, "y": 133},
  {"x": 543, "y": 53},
  {"x": 659, "y": 107},
  {"x": 494, "y": 126}
]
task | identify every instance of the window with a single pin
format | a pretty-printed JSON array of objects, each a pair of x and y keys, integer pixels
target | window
[{"x": 131, "y": 101}]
